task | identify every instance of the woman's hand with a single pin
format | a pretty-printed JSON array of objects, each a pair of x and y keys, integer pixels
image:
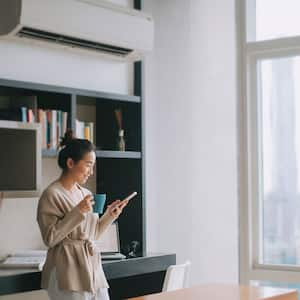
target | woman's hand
[
  {"x": 116, "y": 208},
  {"x": 86, "y": 205}
]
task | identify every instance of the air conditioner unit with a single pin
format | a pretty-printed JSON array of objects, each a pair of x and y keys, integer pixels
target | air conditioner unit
[{"x": 94, "y": 25}]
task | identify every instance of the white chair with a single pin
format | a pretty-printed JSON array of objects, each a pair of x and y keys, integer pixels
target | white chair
[{"x": 176, "y": 277}]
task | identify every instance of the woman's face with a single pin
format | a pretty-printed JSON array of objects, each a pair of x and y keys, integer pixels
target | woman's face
[{"x": 83, "y": 169}]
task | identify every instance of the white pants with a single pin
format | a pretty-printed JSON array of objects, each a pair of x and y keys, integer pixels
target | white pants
[{"x": 55, "y": 293}]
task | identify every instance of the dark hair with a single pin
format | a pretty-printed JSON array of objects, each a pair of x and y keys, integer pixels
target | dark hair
[{"x": 73, "y": 148}]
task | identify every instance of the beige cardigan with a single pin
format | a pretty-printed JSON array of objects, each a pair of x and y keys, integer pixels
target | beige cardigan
[{"x": 68, "y": 234}]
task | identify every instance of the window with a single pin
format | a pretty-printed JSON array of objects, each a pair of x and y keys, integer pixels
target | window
[
  {"x": 270, "y": 143},
  {"x": 278, "y": 97},
  {"x": 272, "y": 19}
]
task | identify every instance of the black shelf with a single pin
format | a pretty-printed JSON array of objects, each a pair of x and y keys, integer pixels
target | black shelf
[
  {"x": 106, "y": 128},
  {"x": 99, "y": 154},
  {"x": 118, "y": 178},
  {"x": 118, "y": 154},
  {"x": 118, "y": 172}
]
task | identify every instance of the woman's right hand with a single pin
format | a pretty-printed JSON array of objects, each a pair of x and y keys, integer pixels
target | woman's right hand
[{"x": 86, "y": 205}]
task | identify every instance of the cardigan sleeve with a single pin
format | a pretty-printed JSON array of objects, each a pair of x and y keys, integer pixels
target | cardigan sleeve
[{"x": 53, "y": 225}]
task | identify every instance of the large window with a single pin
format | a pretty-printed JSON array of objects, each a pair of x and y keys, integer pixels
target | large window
[{"x": 270, "y": 143}]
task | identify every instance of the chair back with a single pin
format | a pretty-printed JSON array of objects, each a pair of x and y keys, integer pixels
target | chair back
[{"x": 176, "y": 277}]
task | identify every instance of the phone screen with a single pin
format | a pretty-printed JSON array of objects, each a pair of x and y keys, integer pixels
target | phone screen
[{"x": 130, "y": 196}]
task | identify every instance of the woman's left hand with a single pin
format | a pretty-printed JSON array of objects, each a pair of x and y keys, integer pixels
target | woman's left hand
[{"x": 116, "y": 208}]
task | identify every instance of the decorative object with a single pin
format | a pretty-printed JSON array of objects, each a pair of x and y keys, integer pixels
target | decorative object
[{"x": 120, "y": 139}]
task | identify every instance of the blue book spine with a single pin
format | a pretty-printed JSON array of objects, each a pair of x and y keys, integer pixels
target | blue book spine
[{"x": 24, "y": 114}]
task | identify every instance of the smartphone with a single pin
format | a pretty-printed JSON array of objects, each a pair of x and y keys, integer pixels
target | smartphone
[{"x": 130, "y": 196}]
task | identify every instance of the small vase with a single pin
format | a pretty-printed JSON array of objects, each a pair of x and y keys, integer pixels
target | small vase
[{"x": 121, "y": 141}]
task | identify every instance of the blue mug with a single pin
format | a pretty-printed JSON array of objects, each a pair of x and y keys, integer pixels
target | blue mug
[{"x": 99, "y": 200}]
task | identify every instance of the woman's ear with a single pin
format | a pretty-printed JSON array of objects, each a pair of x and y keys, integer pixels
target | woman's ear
[{"x": 70, "y": 163}]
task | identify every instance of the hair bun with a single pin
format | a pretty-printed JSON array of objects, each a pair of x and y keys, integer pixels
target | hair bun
[{"x": 68, "y": 137}]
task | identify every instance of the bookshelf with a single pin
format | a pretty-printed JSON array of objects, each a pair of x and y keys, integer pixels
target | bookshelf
[{"x": 118, "y": 173}]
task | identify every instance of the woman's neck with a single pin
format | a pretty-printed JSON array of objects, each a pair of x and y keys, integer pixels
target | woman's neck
[{"x": 67, "y": 182}]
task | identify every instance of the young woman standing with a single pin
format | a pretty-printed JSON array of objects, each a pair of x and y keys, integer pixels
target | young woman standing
[{"x": 73, "y": 270}]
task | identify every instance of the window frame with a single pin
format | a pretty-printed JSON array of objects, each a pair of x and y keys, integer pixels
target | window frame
[{"x": 249, "y": 139}]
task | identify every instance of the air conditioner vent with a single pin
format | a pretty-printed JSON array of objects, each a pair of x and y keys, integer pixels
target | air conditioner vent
[{"x": 72, "y": 42}]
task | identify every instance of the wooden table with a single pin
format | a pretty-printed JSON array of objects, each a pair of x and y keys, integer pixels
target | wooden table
[{"x": 224, "y": 292}]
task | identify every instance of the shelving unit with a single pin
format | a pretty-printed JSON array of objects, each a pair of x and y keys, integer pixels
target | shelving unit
[
  {"x": 118, "y": 172},
  {"x": 118, "y": 154}
]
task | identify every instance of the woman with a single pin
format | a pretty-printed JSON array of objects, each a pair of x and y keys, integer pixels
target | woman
[{"x": 73, "y": 269}]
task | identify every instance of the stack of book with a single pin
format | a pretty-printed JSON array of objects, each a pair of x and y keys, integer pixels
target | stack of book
[
  {"x": 53, "y": 123},
  {"x": 84, "y": 130}
]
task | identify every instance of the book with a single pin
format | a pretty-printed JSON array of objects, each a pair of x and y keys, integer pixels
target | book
[
  {"x": 79, "y": 129},
  {"x": 53, "y": 130},
  {"x": 30, "y": 116},
  {"x": 58, "y": 127},
  {"x": 87, "y": 131},
  {"x": 42, "y": 119},
  {"x": 24, "y": 114},
  {"x": 91, "y": 130},
  {"x": 48, "y": 121},
  {"x": 64, "y": 122}
]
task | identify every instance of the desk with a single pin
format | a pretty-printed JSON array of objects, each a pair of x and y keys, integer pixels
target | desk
[
  {"x": 224, "y": 292},
  {"x": 127, "y": 278}
]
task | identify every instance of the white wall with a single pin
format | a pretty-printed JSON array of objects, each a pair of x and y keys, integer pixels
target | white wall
[{"x": 191, "y": 164}]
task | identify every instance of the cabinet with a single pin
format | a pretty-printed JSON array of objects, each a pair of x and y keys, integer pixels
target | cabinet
[
  {"x": 118, "y": 173},
  {"x": 127, "y": 278}
]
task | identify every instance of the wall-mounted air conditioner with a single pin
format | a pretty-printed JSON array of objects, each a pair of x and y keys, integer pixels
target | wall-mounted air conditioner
[{"x": 89, "y": 25}]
